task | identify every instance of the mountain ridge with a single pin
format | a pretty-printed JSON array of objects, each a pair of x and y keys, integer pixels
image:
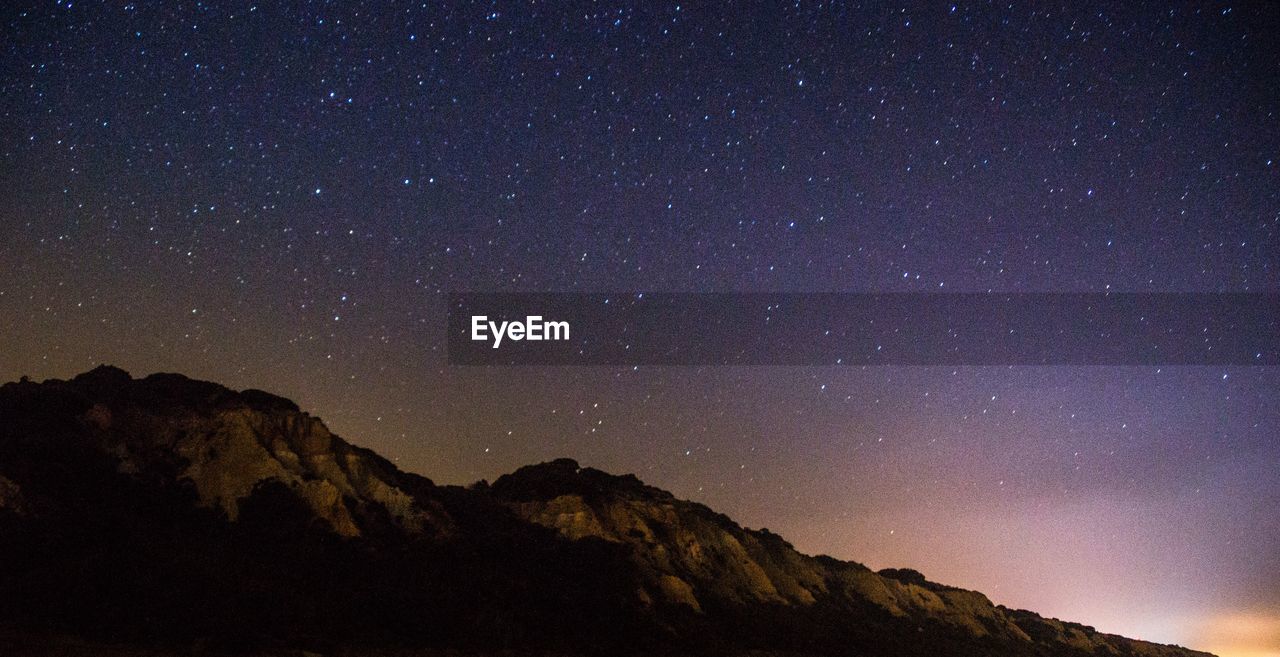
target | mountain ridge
[{"x": 249, "y": 526}]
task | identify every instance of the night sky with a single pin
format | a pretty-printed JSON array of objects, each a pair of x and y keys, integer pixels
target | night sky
[{"x": 280, "y": 198}]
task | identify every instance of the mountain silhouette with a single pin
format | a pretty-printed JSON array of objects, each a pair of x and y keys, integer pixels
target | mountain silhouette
[{"x": 166, "y": 516}]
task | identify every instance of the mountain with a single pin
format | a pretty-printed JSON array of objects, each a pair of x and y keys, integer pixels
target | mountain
[{"x": 164, "y": 516}]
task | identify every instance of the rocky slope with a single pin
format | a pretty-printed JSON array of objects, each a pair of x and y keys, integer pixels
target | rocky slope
[{"x": 167, "y": 513}]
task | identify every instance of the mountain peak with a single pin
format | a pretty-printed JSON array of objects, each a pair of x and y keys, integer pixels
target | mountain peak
[
  {"x": 103, "y": 374},
  {"x": 564, "y": 476}
]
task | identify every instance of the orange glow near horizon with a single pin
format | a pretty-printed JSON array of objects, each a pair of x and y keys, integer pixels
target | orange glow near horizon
[{"x": 1240, "y": 634}]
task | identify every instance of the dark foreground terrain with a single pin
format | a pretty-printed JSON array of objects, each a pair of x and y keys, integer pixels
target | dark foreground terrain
[{"x": 166, "y": 516}]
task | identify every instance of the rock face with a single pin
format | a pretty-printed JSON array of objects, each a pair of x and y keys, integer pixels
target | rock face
[
  {"x": 167, "y": 513},
  {"x": 226, "y": 444},
  {"x": 690, "y": 555}
]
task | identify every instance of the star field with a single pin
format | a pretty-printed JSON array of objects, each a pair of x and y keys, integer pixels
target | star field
[{"x": 278, "y": 197}]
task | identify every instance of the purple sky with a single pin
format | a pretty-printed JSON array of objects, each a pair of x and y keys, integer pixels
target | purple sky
[{"x": 277, "y": 199}]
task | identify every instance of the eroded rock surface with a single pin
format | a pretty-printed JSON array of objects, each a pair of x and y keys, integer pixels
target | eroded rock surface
[{"x": 172, "y": 511}]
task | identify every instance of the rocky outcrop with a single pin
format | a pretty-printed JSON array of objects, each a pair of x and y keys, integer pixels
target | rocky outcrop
[
  {"x": 691, "y": 555},
  {"x": 226, "y": 444},
  {"x": 162, "y": 508},
  {"x": 685, "y": 549}
]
